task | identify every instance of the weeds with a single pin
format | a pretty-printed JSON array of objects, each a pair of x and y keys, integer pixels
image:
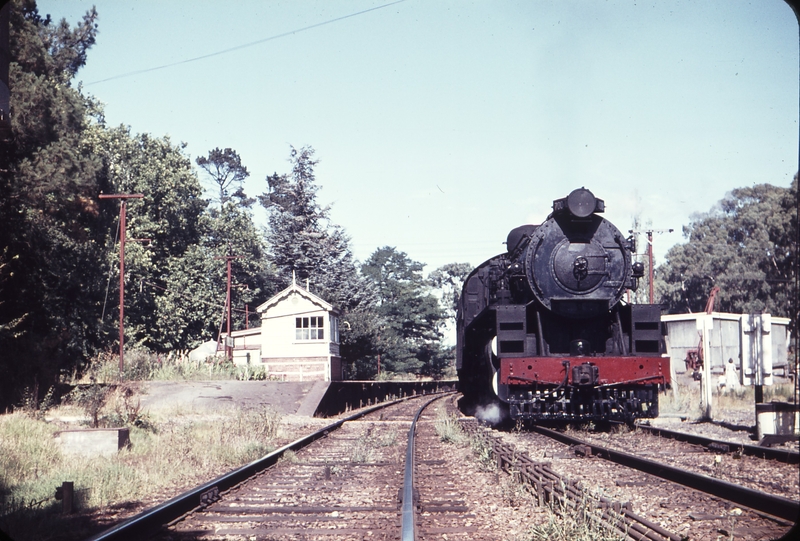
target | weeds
[
  {"x": 143, "y": 365},
  {"x": 91, "y": 399},
  {"x": 686, "y": 398},
  {"x": 362, "y": 451},
  {"x": 482, "y": 450},
  {"x": 448, "y": 428},
  {"x": 514, "y": 492},
  {"x": 32, "y": 406},
  {"x": 578, "y": 524},
  {"x": 365, "y": 448},
  {"x": 163, "y": 456}
]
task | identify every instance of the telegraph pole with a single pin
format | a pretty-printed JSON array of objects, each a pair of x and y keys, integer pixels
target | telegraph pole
[
  {"x": 123, "y": 198},
  {"x": 649, "y": 234},
  {"x": 228, "y": 339}
]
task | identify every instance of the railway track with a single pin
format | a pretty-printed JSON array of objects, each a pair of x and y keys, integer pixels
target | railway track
[
  {"x": 349, "y": 480},
  {"x": 689, "y": 504},
  {"x": 353, "y": 480},
  {"x": 194, "y": 501},
  {"x": 780, "y": 454},
  {"x": 772, "y": 504},
  {"x": 344, "y": 486},
  {"x": 568, "y": 496}
]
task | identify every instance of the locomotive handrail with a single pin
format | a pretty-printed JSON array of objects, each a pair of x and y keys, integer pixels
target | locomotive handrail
[{"x": 637, "y": 380}]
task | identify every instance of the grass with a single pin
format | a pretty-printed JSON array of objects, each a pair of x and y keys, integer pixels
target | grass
[
  {"x": 143, "y": 365},
  {"x": 164, "y": 458},
  {"x": 572, "y": 526},
  {"x": 366, "y": 447},
  {"x": 448, "y": 428}
]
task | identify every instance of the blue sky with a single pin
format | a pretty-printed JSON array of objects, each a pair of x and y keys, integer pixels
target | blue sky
[{"x": 441, "y": 125}]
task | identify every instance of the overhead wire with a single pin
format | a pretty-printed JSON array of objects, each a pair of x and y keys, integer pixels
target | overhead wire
[
  {"x": 178, "y": 294},
  {"x": 243, "y": 46}
]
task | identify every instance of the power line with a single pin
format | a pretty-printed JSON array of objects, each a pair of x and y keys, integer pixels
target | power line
[{"x": 251, "y": 44}]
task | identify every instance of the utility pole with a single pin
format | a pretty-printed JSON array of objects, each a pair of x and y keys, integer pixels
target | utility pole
[
  {"x": 123, "y": 198},
  {"x": 649, "y": 234},
  {"x": 228, "y": 339}
]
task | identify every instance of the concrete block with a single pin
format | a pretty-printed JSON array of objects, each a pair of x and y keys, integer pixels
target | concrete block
[{"x": 93, "y": 441}]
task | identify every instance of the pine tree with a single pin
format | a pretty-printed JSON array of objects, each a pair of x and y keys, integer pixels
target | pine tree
[
  {"x": 51, "y": 257},
  {"x": 302, "y": 241}
]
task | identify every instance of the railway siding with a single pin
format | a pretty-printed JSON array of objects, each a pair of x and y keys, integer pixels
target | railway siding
[
  {"x": 728, "y": 464},
  {"x": 683, "y": 511}
]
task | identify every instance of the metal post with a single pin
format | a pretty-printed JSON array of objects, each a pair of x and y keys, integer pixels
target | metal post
[
  {"x": 706, "y": 325},
  {"x": 650, "y": 259},
  {"x": 650, "y": 274},
  {"x": 121, "y": 286},
  {"x": 228, "y": 345},
  {"x": 124, "y": 198},
  {"x": 228, "y": 259}
]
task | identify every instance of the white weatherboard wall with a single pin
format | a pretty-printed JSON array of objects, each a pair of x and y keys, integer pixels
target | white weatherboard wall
[{"x": 297, "y": 358}]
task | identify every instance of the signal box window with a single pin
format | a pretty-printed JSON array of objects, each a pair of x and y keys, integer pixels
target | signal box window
[{"x": 308, "y": 328}]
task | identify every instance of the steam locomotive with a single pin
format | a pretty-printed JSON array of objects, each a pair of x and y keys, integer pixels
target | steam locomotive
[{"x": 543, "y": 330}]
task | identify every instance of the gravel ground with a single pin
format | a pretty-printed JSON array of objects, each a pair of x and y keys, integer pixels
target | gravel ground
[
  {"x": 680, "y": 510},
  {"x": 759, "y": 474}
]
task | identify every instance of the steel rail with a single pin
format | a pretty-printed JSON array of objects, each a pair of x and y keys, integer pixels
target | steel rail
[
  {"x": 760, "y": 501},
  {"x": 150, "y": 521},
  {"x": 408, "y": 529},
  {"x": 782, "y": 455}
]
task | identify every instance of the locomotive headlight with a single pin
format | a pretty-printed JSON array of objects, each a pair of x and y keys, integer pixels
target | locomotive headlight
[{"x": 581, "y": 203}]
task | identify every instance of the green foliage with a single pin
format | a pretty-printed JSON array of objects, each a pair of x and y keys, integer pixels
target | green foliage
[
  {"x": 227, "y": 172},
  {"x": 51, "y": 242},
  {"x": 302, "y": 241},
  {"x": 91, "y": 399},
  {"x": 411, "y": 317},
  {"x": 159, "y": 315},
  {"x": 746, "y": 246},
  {"x": 144, "y": 365},
  {"x": 27, "y": 449},
  {"x": 449, "y": 279}
]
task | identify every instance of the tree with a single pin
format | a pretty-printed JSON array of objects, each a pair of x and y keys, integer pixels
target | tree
[
  {"x": 226, "y": 170},
  {"x": 51, "y": 257},
  {"x": 171, "y": 217},
  {"x": 303, "y": 242},
  {"x": 449, "y": 279},
  {"x": 299, "y": 232},
  {"x": 746, "y": 245},
  {"x": 231, "y": 231},
  {"x": 410, "y": 338}
]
